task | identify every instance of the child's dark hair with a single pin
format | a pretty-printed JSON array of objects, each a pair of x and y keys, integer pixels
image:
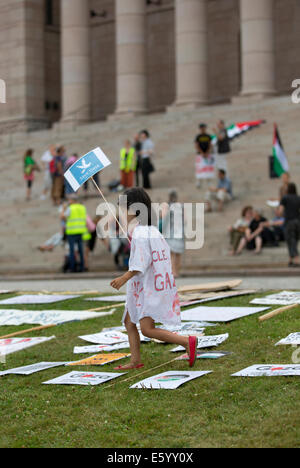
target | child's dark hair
[
  {"x": 139, "y": 195},
  {"x": 292, "y": 189}
]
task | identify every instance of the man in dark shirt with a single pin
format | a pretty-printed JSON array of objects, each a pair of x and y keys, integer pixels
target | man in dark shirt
[
  {"x": 203, "y": 141},
  {"x": 222, "y": 145},
  {"x": 290, "y": 208}
]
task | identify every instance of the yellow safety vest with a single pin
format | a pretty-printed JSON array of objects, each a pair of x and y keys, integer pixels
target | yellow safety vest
[
  {"x": 128, "y": 163},
  {"x": 76, "y": 222}
]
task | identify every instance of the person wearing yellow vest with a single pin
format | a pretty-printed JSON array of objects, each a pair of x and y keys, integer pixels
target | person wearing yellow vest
[
  {"x": 75, "y": 217},
  {"x": 127, "y": 164}
]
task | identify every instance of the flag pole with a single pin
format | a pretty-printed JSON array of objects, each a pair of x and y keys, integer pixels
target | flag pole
[{"x": 111, "y": 211}]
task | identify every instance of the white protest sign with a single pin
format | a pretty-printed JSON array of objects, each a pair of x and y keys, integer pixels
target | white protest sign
[
  {"x": 169, "y": 380},
  {"x": 293, "y": 339},
  {"x": 206, "y": 355},
  {"x": 205, "y": 166},
  {"x": 97, "y": 348},
  {"x": 270, "y": 370},
  {"x": 86, "y": 167},
  {"x": 83, "y": 378},
  {"x": 107, "y": 337},
  {"x": 33, "y": 368},
  {"x": 37, "y": 299},
  {"x": 12, "y": 345},
  {"x": 283, "y": 298},
  {"x": 219, "y": 314},
  {"x": 206, "y": 342},
  {"x": 188, "y": 326},
  {"x": 121, "y": 298},
  {"x": 46, "y": 317}
]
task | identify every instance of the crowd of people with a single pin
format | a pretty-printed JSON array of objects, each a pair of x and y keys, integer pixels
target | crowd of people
[{"x": 252, "y": 231}]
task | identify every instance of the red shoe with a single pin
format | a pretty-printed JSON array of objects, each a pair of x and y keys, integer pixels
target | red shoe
[{"x": 193, "y": 343}]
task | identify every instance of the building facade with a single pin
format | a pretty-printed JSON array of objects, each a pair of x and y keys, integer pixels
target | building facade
[{"x": 89, "y": 60}]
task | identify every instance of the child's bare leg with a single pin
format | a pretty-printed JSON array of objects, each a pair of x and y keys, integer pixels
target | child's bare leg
[
  {"x": 134, "y": 341},
  {"x": 148, "y": 329}
]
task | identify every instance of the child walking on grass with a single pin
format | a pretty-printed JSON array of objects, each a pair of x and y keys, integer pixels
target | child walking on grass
[{"x": 151, "y": 291}]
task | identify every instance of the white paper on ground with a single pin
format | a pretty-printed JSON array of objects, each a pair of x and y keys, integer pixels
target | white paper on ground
[
  {"x": 84, "y": 378},
  {"x": 270, "y": 370},
  {"x": 121, "y": 298},
  {"x": 12, "y": 345},
  {"x": 219, "y": 314},
  {"x": 108, "y": 337},
  {"x": 169, "y": 380},
  {"x": 100, "y": 348},
  {"x": 37, "y": 299},
  {"x": 188, "y": 326},
  {"x": 33, "y": 368},
  {"x": 293, "y": 339},
  {"x": 205, "y": 355},
  {"x": 46, "y": 317},
  {"x": 206, "y": 342},
  {"x": 283, "y": 298}
]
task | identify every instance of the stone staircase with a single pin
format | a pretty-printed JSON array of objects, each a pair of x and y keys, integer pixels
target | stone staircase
[{"x": 25, "y": 225}]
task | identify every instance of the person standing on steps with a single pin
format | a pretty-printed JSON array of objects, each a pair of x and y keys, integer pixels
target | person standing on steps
[
  {"x": 147, "y": 153},
  {"x": 75, "y": 217},
  {"x": 30, "y": 166},
  {"x": 290, "y": 209},
  {"x": 223, "y": 146},
  {"x": 127, "y": 164}
]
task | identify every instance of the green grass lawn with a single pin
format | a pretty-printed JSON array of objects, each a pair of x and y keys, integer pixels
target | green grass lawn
[{"x": 214, "y": 411}]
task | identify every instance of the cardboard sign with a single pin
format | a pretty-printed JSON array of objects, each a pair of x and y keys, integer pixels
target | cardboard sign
[
  {"x": 121, "y": 298},
  {"x": 33, "y": 368},
  {"x": 169, "y": 380},
  {"x": 100, "y": 348},
  {"x": 37, "y": 299},
  {"x": 206, "y": 342},
  {"x": 206, "y": 355},
  {"x": 283, "y": 298},
  {"x": 86, "y": 167},
  {"x": 84, "y": 378},
  {"x": 12, "y": 345},
  {"x": 270, "y": 370},
  {"x": 219, "y": 314},
  {"x": 47, "y": 317},
  {"x": 99, "y": 359},
  {"x": 293, "y": 339}
]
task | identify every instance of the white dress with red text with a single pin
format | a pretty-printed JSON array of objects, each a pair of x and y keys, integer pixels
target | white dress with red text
[{"x": 151, "y": 293}]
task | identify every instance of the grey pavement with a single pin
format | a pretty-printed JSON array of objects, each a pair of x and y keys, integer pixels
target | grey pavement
[{"x": 103, "y": 285}]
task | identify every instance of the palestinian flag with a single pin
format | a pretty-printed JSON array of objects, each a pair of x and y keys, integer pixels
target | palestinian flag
[
  {"x": 281, "y": 164},
  {"x": 237, "y": 129}
]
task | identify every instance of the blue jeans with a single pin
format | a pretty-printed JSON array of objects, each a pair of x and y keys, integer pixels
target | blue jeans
[{"x": 73, "y": 240}]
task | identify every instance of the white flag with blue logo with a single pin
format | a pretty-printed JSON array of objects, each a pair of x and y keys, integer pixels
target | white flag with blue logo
[{"x": 86, "y": 167}]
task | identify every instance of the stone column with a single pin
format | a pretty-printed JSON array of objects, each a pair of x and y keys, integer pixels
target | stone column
[
  {"x": 257, "y": 37},
  {"x": 76, "y": 73},
  {"x": 131, "y": 57},
  {"x": 191, "y": 53}
]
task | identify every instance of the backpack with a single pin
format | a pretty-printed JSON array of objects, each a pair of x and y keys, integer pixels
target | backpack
[{"x": 52, "y": 166}]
